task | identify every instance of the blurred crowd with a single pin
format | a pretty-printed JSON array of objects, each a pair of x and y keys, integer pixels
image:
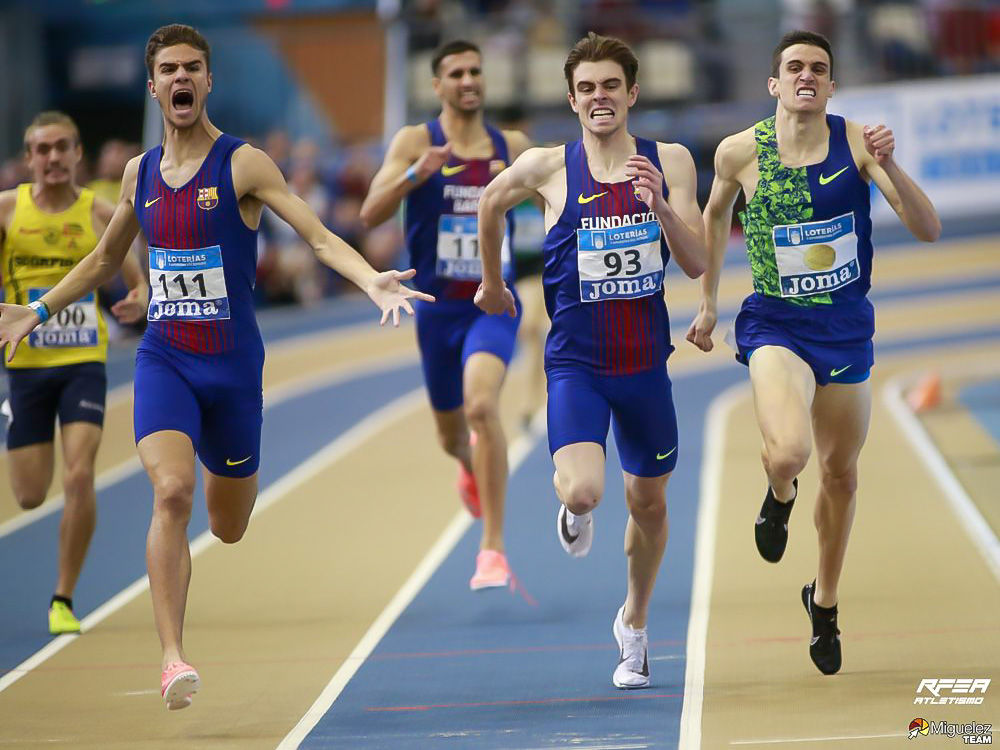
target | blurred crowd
[{"x": 332, "y": 183}]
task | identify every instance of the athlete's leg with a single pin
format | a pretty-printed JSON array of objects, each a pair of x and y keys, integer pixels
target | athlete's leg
[
  {"x": 80, "y": 441},
  {"x": 482, "y": 378},
  {"x": 783, "y": 389},
  {"x": 230, "y": 502},
  {"x": 531, "y": 335},
  {"x": 579, "y": 476},
  {"x": 31, "y": 468},
  {"x": 841, "y": 414},
  {"x": 168, "y": 457},
  {"x": 453, "y": 435},
  {"x": 645, "y": 541}
]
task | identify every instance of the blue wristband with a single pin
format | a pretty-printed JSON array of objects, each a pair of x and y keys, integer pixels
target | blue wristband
[
  {"x": 41, "y": 310},
  {"x": 411, "y": 174}
]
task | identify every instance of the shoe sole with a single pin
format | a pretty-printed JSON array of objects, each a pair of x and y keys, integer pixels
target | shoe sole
[
  {"x": 489, "y": 585},
  {"x": 181, "y": 688}
]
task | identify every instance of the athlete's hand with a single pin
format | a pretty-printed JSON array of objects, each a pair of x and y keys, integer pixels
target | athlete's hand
[
  {"x": 496, "y": 300},
  {"x": 880, "y": 143},
  {"x": 700, "y": 332},
  {"x": 386, "y": 292},
  {"x": 648, "y": 181},
  {"x": 433, "y": 159},
  {"x": 133, "y": 307},
  {"x": 16, "y": 322}
]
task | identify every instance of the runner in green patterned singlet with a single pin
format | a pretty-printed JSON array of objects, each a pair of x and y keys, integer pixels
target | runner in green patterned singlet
[{"x": 808, "y": 325}]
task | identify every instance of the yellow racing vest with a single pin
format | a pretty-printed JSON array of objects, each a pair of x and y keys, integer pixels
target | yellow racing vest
[{"x": 39, "y": 250}]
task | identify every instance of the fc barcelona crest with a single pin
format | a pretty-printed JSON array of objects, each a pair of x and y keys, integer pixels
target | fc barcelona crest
[{"x": 208, "y": 198}]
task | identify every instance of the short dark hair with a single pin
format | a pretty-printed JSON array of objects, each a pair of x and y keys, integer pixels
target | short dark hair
[
  {"x": 800, "y": 37},
  {"x": 594, "y": 48},
  {"x": 172, "y": 35},
  {"x": 51, "y": 117},
  {"x": 452, "y": 48}
]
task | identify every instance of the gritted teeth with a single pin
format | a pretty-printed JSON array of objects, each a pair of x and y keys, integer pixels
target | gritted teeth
[
  {"x": 602, "y": 112},
  {"x": 806, "y": 91}
]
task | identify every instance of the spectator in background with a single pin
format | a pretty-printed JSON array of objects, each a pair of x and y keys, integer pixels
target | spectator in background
[
  {"x": 111, "y": 161},
  {"x": 289, "y": 268}
]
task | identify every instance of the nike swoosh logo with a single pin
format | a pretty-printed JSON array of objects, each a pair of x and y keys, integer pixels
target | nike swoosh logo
[
  {"x": 760, "y": 520},
  {"x": 449, "y": 171},
  {"x": 814, "y": 640},
  {"x": 565, "y": 532},
  {"x": 589, "y": 198},
  {"x": 150, "y": 203},
  {"x": 230, "y": 462},
  {"x": 825, "y": 180},
  {"x": 661, "y": 456},
  {"x": 835, "y": 373}
]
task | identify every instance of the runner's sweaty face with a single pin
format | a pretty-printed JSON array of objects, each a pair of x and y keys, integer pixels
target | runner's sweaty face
[
  {"x": 803, "y": 83},
  {"x": 52, "y": 154},
  {"x": 459, "y": 83},
  {"x": 181, "y": 83},
  {"x": 600, "y": 97}
]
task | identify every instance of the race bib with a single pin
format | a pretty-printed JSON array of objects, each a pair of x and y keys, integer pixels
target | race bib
[
  {"x": 74, "y": 326},
  {"x": 458, "y": 249},
  {"x": 620, "y": 263},
  {"x": 187, "y": 285},
  {"x": 818, "y": 257}
]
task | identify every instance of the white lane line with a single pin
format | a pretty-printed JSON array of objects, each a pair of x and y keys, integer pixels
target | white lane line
[
  {"x": 969, "y": 516},
  {"x": 712, "y": 462},
  {"x": 781, "y": 741},
  {"x": 518, "y": 451},
  {"x": 273, "y": 396},
  {"x": 332, "y": 452}
]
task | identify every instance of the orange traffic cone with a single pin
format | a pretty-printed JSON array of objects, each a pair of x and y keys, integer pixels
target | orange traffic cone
[{"x": 926, "y": 393}]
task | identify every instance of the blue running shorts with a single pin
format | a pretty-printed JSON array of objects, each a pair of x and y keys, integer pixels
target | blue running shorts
[
  {"x": 215, "y": 401},
  {"x": 640, "y": 408},
  {"x": 448, "y": 333},
  {"x": 836, "y": 344}
]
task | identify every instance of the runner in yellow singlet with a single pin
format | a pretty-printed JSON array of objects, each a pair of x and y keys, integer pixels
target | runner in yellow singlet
[{"x": 46, "y": 228}]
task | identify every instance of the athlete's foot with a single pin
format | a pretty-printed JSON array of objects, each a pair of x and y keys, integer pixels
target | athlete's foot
[
  {"x": 492, "y": 571},
  {"x": 467, "y": 489},
  {"x": 771, "y": 530},
  {"x": 61, "y": 618},
  {"x": 576, "y": 533},
  {"x": 824, "y": 647},
  {"x": 178, "y": 683},
  {"x": 633, "y": 655}
]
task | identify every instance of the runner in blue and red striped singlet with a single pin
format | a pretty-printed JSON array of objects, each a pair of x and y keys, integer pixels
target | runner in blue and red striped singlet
[
  {"x": 197, "y": 199},
  {"x": 439, "y": 169},
  {"x": 617, "y": 209}
]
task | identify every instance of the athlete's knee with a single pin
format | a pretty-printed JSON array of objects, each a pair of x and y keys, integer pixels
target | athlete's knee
[
  {"x": 173, "y": 494},
  {"x": 786, "y": 459},
  {"x": 581, "y": 496},
  {"x": 78, "y": 482},
  {"x": 481, "y": 410},
  {"x": 646, "y": 506},
  {"x": 229, "y": 530},
  {"x": 29, "y": 498},
  {"x": 839, "y": 482}
]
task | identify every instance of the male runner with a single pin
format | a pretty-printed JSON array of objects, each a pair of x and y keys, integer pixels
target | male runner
[
  {"x": 46, "y": 228},
  {"x": 440, "y": 168},
  {"x": 806, "y": 331},
  {"x": 197, "y": 199},
  {"x": 617, "y": 207}
]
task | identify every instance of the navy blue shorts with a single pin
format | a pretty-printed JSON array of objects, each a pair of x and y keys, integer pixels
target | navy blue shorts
[
  {"x": 448, "y": 333},
  {"x": 216, "y": 401},
  {"x": 639, "y": 407},
  {"x": 837, "y": 345},
  {"x": 74, "y": 393}
]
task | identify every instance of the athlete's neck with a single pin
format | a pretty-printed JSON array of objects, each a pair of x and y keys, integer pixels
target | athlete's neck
[
  {"x": 800, "y": 134},
  {"x": 185, "y": 144},
  {"x": 54, "y": 199},
  {"x": 607, "y": 154},
  {"x": 464, "y": 130}
]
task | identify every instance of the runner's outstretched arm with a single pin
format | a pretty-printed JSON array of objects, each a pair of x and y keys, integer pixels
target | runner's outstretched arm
[{"x": 257, "y": 175}]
